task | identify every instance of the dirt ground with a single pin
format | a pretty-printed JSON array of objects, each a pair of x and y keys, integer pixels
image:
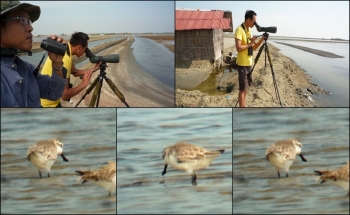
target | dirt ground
[
  {"x": 139, "y": 88},
  {"x": 293, "y": 83}
]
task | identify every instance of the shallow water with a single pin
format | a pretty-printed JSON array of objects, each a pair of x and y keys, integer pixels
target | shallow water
[
  {"x": 89, "y": 138},
  {"x": 324, "y": 134},
  {"x": 216, "y": 82},
  {"x": 331, "y": 74},
  {"x": 155, "y": 59},
  {"x": 143, "y": 134}
]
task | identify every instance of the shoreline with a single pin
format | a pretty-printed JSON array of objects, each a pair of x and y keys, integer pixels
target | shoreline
[
  {"x": 294, "y": 85},
  {"x": 299, "y": 39},
  {"x": 313, "y": 51},
  {"x": 139, "y": 88},
  {"x": 160, "y": 39}
]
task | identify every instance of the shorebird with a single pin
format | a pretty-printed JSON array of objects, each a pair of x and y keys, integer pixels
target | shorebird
[
  {"x": 338, "y": 177},
  {"x": 104, "y": 177},
  {"x": 282, "y": 154},
  {"x": 187, "y": 157},
  {"x": 43, "y": 154}
]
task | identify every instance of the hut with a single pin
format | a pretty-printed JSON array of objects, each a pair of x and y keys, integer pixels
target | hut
[{"x": 199, "y": 35}]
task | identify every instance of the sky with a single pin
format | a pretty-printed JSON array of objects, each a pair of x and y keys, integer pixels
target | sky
[
  {"x": 66, "y": 17},
  {"x": 323, "y": 19}
]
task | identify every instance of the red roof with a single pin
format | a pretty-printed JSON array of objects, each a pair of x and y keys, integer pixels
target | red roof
[{"x": 190, "y": 20}]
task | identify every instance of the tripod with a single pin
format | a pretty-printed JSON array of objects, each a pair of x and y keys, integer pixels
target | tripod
[
  {"x": 98, "y": 83},
  {"x": 271, "y": 66}
]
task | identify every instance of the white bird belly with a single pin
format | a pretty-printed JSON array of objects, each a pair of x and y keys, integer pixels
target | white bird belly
[
  {"x": 276, "y": 159},
  {"x": 40, "y": 162},
  {"x": 189, "y": 166}
]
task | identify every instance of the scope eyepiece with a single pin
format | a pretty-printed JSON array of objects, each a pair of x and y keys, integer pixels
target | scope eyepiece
[{"x": 265, "y": 29}]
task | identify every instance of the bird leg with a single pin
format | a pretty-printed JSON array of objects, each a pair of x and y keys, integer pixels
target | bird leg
[
  {"x": 194, "y": 177},
  {"x": 278, "y": 174},
  {"x": 164, "y": 171},
  {"x": 287, "y": 174},
  {"x": 48, "y": 174},
  {"x": 40, "y": 173}
]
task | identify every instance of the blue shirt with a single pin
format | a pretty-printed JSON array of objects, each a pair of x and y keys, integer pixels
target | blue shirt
[{"x": 19, "y": 87}]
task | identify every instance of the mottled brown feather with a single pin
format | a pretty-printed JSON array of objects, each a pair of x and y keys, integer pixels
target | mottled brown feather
[
  {"x": 341, "y": 173},
  {"x": 189, "y": 152},
  {"x": 46, "y": 147},
  {"x": 104, "y": 173},
  {"x": 285, "y": 147}
]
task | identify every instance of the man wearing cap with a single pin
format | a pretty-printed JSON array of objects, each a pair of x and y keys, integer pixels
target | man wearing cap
[{"x": 20, "y": 87}]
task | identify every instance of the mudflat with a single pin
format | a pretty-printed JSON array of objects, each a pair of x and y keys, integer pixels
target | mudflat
[
  {"x": 313, "y": 51},
  {"x": 294, "y": 85}
]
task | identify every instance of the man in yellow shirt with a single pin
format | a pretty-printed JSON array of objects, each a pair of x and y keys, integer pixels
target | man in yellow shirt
[
  {"x": 77, "y": 46},
  {"x": 245, "y": 44}
]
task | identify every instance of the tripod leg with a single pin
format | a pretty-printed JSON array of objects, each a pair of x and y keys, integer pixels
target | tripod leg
[
  {"x": 88, "y": 91},
  {"x": 258, "y": 55},
  {"x": 116, "y": 90},
  {"x": 99, "y": 93},
  {"x": 273, "y": 76},
  {"x": 96, "y": 92}
]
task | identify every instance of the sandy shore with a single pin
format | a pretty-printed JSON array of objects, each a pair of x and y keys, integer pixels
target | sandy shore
[
  {"x": 139, "y": 88},
  {"x": 294, "y": 84}
]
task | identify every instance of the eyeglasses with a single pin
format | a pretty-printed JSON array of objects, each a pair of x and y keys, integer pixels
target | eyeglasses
[{"x": 24, "y": 20}]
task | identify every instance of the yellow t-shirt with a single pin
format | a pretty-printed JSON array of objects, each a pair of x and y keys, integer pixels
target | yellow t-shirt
[
  {"x": 243, "y": 59},
  {"x": 47, "y": 70}
]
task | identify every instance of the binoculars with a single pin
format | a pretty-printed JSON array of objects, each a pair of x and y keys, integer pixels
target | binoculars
[
  {"x": 60, "y": 49},
  {"x": 53, "y": 46}
]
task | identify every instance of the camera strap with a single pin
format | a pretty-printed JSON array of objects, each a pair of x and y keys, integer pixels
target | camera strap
[
  {"x": 36, "y": 71},
  {"x": 242, "y": 25},
  {"x": 13, "y": 52}
]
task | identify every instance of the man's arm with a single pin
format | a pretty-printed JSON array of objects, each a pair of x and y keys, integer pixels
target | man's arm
[
  {"x": 256, "y": 46},
  {"x": 240, "y": 47},
  {"x": 51, "y": 88},
  {"x": 70, "y": 92},
  {"x": 79, "y": 72}
]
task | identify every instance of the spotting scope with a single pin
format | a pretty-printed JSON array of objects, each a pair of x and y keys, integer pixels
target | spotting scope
[
  {"x": 113, "y": 58},
  {"x": 265, "y": 29}
]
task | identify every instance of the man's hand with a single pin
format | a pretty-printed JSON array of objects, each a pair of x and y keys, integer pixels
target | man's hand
[
  {"x": 87, "y": 77},
  {"x": 252, "y": 40},
  {"x": 55, "y": 58},
  {"x": 97, "y": 65}
]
